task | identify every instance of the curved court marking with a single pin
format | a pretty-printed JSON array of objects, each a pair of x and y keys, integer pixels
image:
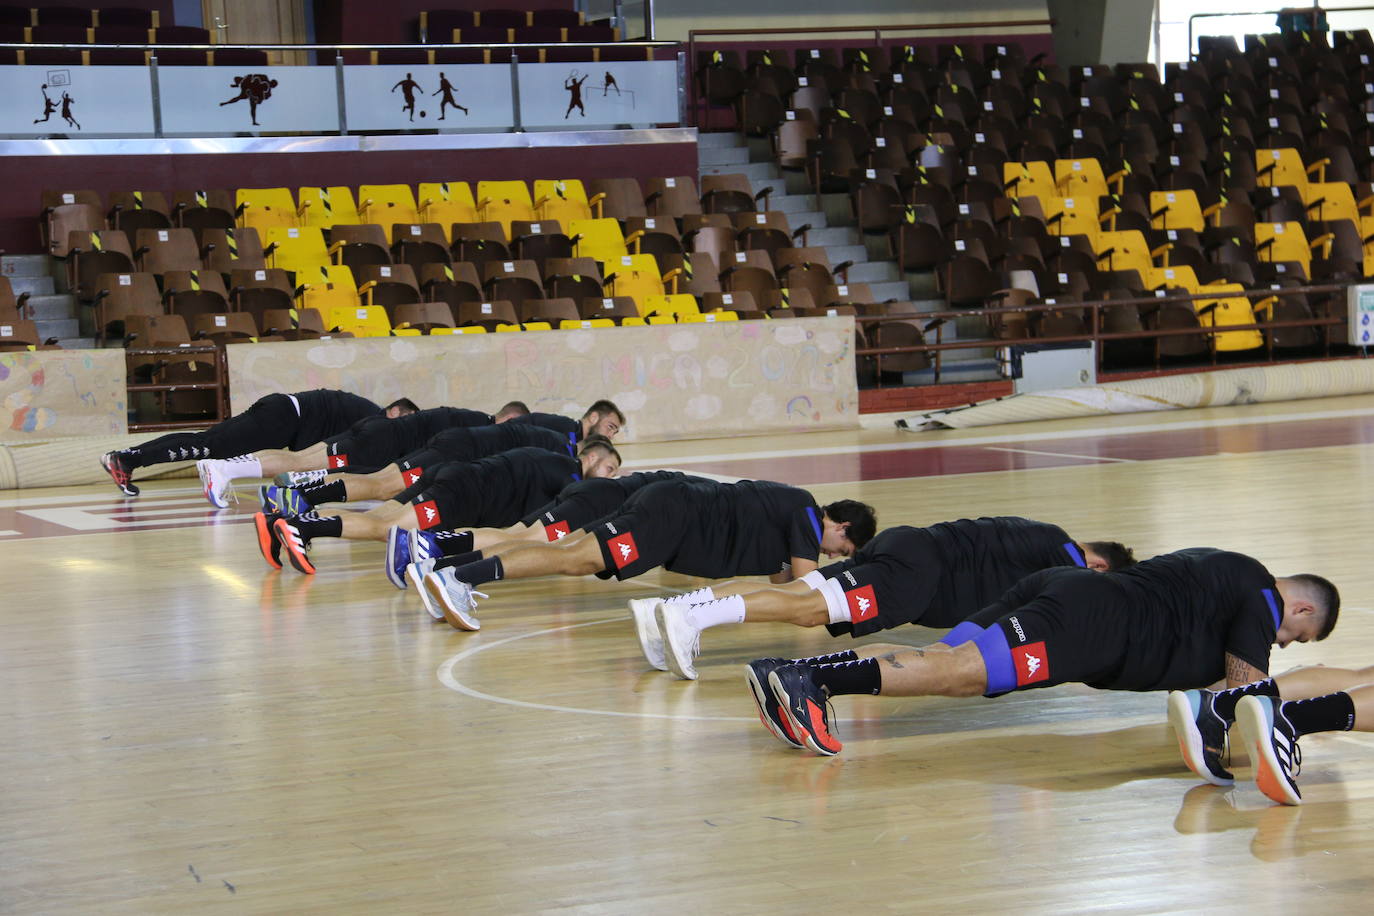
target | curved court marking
[{"x": 447, "y": 678}]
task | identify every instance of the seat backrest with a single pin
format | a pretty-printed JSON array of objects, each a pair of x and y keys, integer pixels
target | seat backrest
[
  {"x": 167, "y": 249},
  {"x": 446, "y": 202},
  {"x": 19, "y": 334},
  {"x": 227, "y": 249},
  {"x": 298, "y": 248},
  {"x": 194, "y": 281},
  {"x": 597, "y": 238},
  {"x": 387, "y": 204},
  {"x": 326, "y": 206},
  {"x": 263, "y": 208}
]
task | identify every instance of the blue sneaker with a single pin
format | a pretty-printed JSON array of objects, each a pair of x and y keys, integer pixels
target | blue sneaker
[
  {"x": 282, "y": 500},
  {"x": 397, "y": 555},
  {"x": 1201, "y": 734},
  {"x": 424, "y": 545},
  {"x": 1272, "y": 744}
]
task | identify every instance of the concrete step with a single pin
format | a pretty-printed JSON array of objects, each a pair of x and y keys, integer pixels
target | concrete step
[
  {"x": 801, "y": 218},
  {"x": 60, "y": 328},
  {"x": 754, "y": 171},
  {"x": 718, "y": 139},
  {"x": 890, "y": 289},
  {"x": 37, "y": 286},
  {"x": 833, "y": 236},
  {"x": 871, "y": 272},
  {"x": 790, "y": 203},
  {"x": 855, "y": 253},
  {"x": 24, "y": 265},
  {"x": 51, "y": 307},
  {"x": 722, "y": 155},
  {"x": 77, "y": 343}
]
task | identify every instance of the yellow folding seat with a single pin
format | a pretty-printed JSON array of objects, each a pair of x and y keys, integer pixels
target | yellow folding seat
[
  {"x": 580, "y": 324},
  {"x": 1028, "y": 179},
  {"x": 562, "y": 199},
  {"x": 470, "y": 329},
  {"x": 386, "y": 205},
  {"x": 1125, "y": 249},
  {"x": 1282, "y": 242},
  {"x": 1071, "y": 216},
  {"x": 504, "y": 201},
  {"x": 1226, "y": 310},
  {"x": 1084, "y": 178},
  {"x": 678, "y": 306},
  {"x": 263, "y": 208},
  {"x": 298, "y": 248},
  {"x": 361, "y": 320},
  {"x": 1180, "y": 275},
  {"x": 1274, "y": 167},
  {"x": 447, "y": 202},
  {"x": 325, "y": 207},
  {"x": 597, "y": 238},
  {"x": 1332, "y": 200},
  {"x": 332, "y": 286},
  {"x": 637, "y": 276},
  {"x": 1176, "y": 210},
  {"x": 707, "y": 317}
]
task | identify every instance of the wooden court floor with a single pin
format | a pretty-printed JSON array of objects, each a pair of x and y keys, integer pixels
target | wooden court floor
[{"x": 187, "y": 731}]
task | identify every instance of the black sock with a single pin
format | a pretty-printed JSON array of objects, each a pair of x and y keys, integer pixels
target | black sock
[
  {"x": 488, "y": 570},
  {"x": 1224, "y": 702},
  {"x": 458, "y": 559},
  {"x": 860, "y": 676},
  {"x": 311, "y": 525},
  {"x": 834, "y": 658},
  {"x": 329, "y": 492},
  {"x": 1334, "y": 712},
  {"x": 454, "y": 542}
]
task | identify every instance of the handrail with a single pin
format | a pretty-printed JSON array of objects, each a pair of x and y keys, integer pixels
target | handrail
[
  {"x": 83, "y": 46},
  {"x": 220, "y": 383}
]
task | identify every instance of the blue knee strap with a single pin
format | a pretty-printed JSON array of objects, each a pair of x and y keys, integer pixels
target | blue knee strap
[
  {"x": 992, "y": 645},
  {"x": 962, "y": 633}
]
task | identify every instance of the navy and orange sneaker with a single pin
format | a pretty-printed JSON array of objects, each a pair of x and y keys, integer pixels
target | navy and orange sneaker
[
  {"x": 1272, "y": 743},
  {"x": 803, "y": 704},
  {"x": 770, "y": 712},
  {"x": 271, "y": 550},
  {"x": 120, "y": 473},
  {"x": 295, "y": 544},
  {"x": 1201, "y": 734}
]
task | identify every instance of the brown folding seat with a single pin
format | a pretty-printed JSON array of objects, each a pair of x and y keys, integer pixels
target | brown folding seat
[
  {"x": 226, "y": 250},
  {"x": 358, "y": 245},
  {"x": 674, "y": 196},
  {"x": 423, "y": 316},
  {"x": 513, "y": 281},
  {"x": 486, "y": 314},
  {"x": 767, "y": 231},
  {"x": 617, "y": 198},
  {"x": 18, "y": 335},
  {"x": 259, "y": 290},
  {"x": 292, "y": 324},
  {"x": 135, "y": 210},
  {"x": 66, "y": 211},
  {"x": 157, "y": 251},
  {"x": 552, "y": 311},
  {"x": 730, "y": 193},
  {"x": 181, "y": 35},
  {"x": 655, "y": 236},
  {"x": 748, "y": 271},
  {"x": 573, "y": 278},
  {"x": 121, "y": 294},
  {"x": 204, "y": 209},
  {"x": 791, "y": 139},
  {"x": 741, "y": 303},
  {"x": 451, "y": 284},
  {"x": 1290, "y": 307},
  {"x": 388, "y": 285},
  {"x": 419, "y": 243},
  {"x": 11, "y": 306},
  {"x": 57, "y": 34},
  {"x": 479, "y": 242},
  {"x": 538, "y": 240},
  {"x": 224, "y": 327},
  {"x": 719, "y": 78},
  {"x": 698, "y": 274},
  {"x": 436, "y": 26},
  {"x": 119, "y": 35},
  {"x": 613, "y": 308},
  {"x": 717, "y": 241},
  {"x": 191, "y": 293},
  {"x": 91, "y": 253},
  {"x": 152, "y": 331}
]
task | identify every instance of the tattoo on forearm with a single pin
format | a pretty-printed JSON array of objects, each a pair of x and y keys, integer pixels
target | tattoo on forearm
[{"x": 1237, "y": 671}]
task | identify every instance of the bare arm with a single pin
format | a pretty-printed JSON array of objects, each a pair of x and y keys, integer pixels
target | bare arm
[
  {"x": 1240, "y": 672},
  {"x": 798, "y": 568}
]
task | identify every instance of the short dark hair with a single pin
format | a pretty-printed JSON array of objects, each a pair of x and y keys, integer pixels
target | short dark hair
[
  {"x": 406, "y": 405},
  {"x": 1117, "y": 554},
  {"x": 514, "y": 409},
  {"x": 863, "y": 521},
  {"x": 1327, "y": 596},
  {"x": 604, "y": 407},
  {"x": 596, "y": 440}
]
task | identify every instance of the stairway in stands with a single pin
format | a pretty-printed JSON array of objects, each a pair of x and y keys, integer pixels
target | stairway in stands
[
  {"x": 50, "y": 306},
  {"x": 832, "y": 228}
]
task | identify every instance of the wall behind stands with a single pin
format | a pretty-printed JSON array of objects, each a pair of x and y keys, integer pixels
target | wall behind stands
[
  {"x": 395, "y": 21},
  {"x": 164, "y": 7},
  {"x": 1101, "y": 31},
  {"x": 675, "y": 18}
]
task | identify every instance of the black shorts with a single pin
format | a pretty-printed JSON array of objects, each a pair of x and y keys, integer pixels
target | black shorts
[
  {"x": 269, "y": 422},
  {"x": 1070, "y": 631},
  {"x": 370, "y": 445},
  {"x": 891, "y": 584},
  {"x": 449, "y": 498},
  {"x": 591, "y": 500},
  {"x": 644, "y": 535}
]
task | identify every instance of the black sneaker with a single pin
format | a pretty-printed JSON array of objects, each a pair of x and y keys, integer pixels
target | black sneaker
[
  {"x": 1272, "y": 744},
  {"x": 1201, "y": 734},
  {"x": 120, "y": 473},
  {"x": 804, "y": 705},
  {"x": 770, "y": 712},
  {"x": 267, "y": 542},
  {"x": 290, "y": 538}
]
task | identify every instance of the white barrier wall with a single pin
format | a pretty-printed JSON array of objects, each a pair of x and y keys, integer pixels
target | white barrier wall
[{"x": 54, "y": 394}]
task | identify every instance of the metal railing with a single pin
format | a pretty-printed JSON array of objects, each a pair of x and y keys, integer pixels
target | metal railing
[
  {"x": 1315, "y": 7},
  {"x": 219, "y": 385}
]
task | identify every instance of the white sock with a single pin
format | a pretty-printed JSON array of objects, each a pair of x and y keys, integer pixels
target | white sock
[
  {"x": 700, "y": 596},
  {"x": 714, "y": 613},
  {"x": 244, "y": 466}
]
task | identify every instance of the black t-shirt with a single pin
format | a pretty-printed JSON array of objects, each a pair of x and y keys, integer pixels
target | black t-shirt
[
  {"x": 474, "y": 442},
  {"x": 556, "y": 422},
  {"x": 327, "y": 412},
  {"x": 749, "y": 528},
  {"x": 603, "y": 495},
  {"x": 414, "y": 430},
  {"x": 516, "y": 482},
  {"x": 1183, "y": 612}
]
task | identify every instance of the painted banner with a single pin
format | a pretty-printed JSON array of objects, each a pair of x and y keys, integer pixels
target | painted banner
[
  {"x": 52, "y": 394},
  {"x": 450, "y": 96},
  {"x": 576, "y": 95},
  {"x": 75, "y": 101},
  {"x": 211, "y": 101},
  {"x": 679, "y": 381}
]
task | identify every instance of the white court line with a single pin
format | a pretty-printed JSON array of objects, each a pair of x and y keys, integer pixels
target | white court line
[
  {"x": 447, "y": 678},
  {"x": 153, "y": 496},
  {"x": 1106, "y": 432},
  {"x": 6, "y": 534},
  {"x": 1031, "y": 451}
]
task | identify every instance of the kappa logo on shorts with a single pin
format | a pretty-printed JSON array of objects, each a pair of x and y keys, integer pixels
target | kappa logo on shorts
[
  {"x": 412, "y": 475},
  {"x": 427, "y": 513},
  {"x": 338, "y": 461},
  {"x": 623, "y": 550},
  {"x": 557, "y": 531},
  {"x": 863, "y": 604},
  {"x": 1031, "y": 662}
]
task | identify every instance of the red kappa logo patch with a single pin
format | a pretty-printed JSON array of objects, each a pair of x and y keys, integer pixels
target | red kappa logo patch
[
  {"x": 1032, "y": 663},
  {"x": 557, "y": 531},
  {"x": 427, "y": 513},
  {"x": 338, "y": 461},
  {"x": 623, "y": 550},
  {"x": 411, "y": 476},
  {"x": 863, "y": 604}
]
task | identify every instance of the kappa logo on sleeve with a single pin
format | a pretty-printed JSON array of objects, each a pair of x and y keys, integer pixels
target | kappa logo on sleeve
[
  {"x": 338, "y": 461},
  {"x": 863, "y": 604},
  {"x": 1032, "y": 663},
  {"x": 427, "y": 514},
  {"x": 557, "y": 531},
  {"x": 412, "y": 475},
  {"x": 623, "y": 550}
]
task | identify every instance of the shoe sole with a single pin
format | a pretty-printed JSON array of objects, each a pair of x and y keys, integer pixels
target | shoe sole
[
  {"x": 785, "y": 704},
  {"x": 297, "y": 557},
  {"x": 417, "y": 582},
  {"x": 762, "y": 695},
  {"x": 642, "y": 621},
  {"x": 1184, "y": 723},
  {"x": 267, "y": 542},
  {"x": 208, "y": 489},
  {"x": 1255, "y": 729},
  {"x": 128, "y": 489},
  {"x": 438, "y": 593},
  {"x": 397, "y": 579},
  {"x": 686, "y": 672}
]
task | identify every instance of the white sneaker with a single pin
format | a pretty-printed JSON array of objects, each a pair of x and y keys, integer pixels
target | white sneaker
[
  {"x": 415, "y": 575},
  {"x": 214, "y": 481},
  {"x": 456, "y": 597},
  {"x": 681, "y": 640},
  {"x": 646, "y": 628}
]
